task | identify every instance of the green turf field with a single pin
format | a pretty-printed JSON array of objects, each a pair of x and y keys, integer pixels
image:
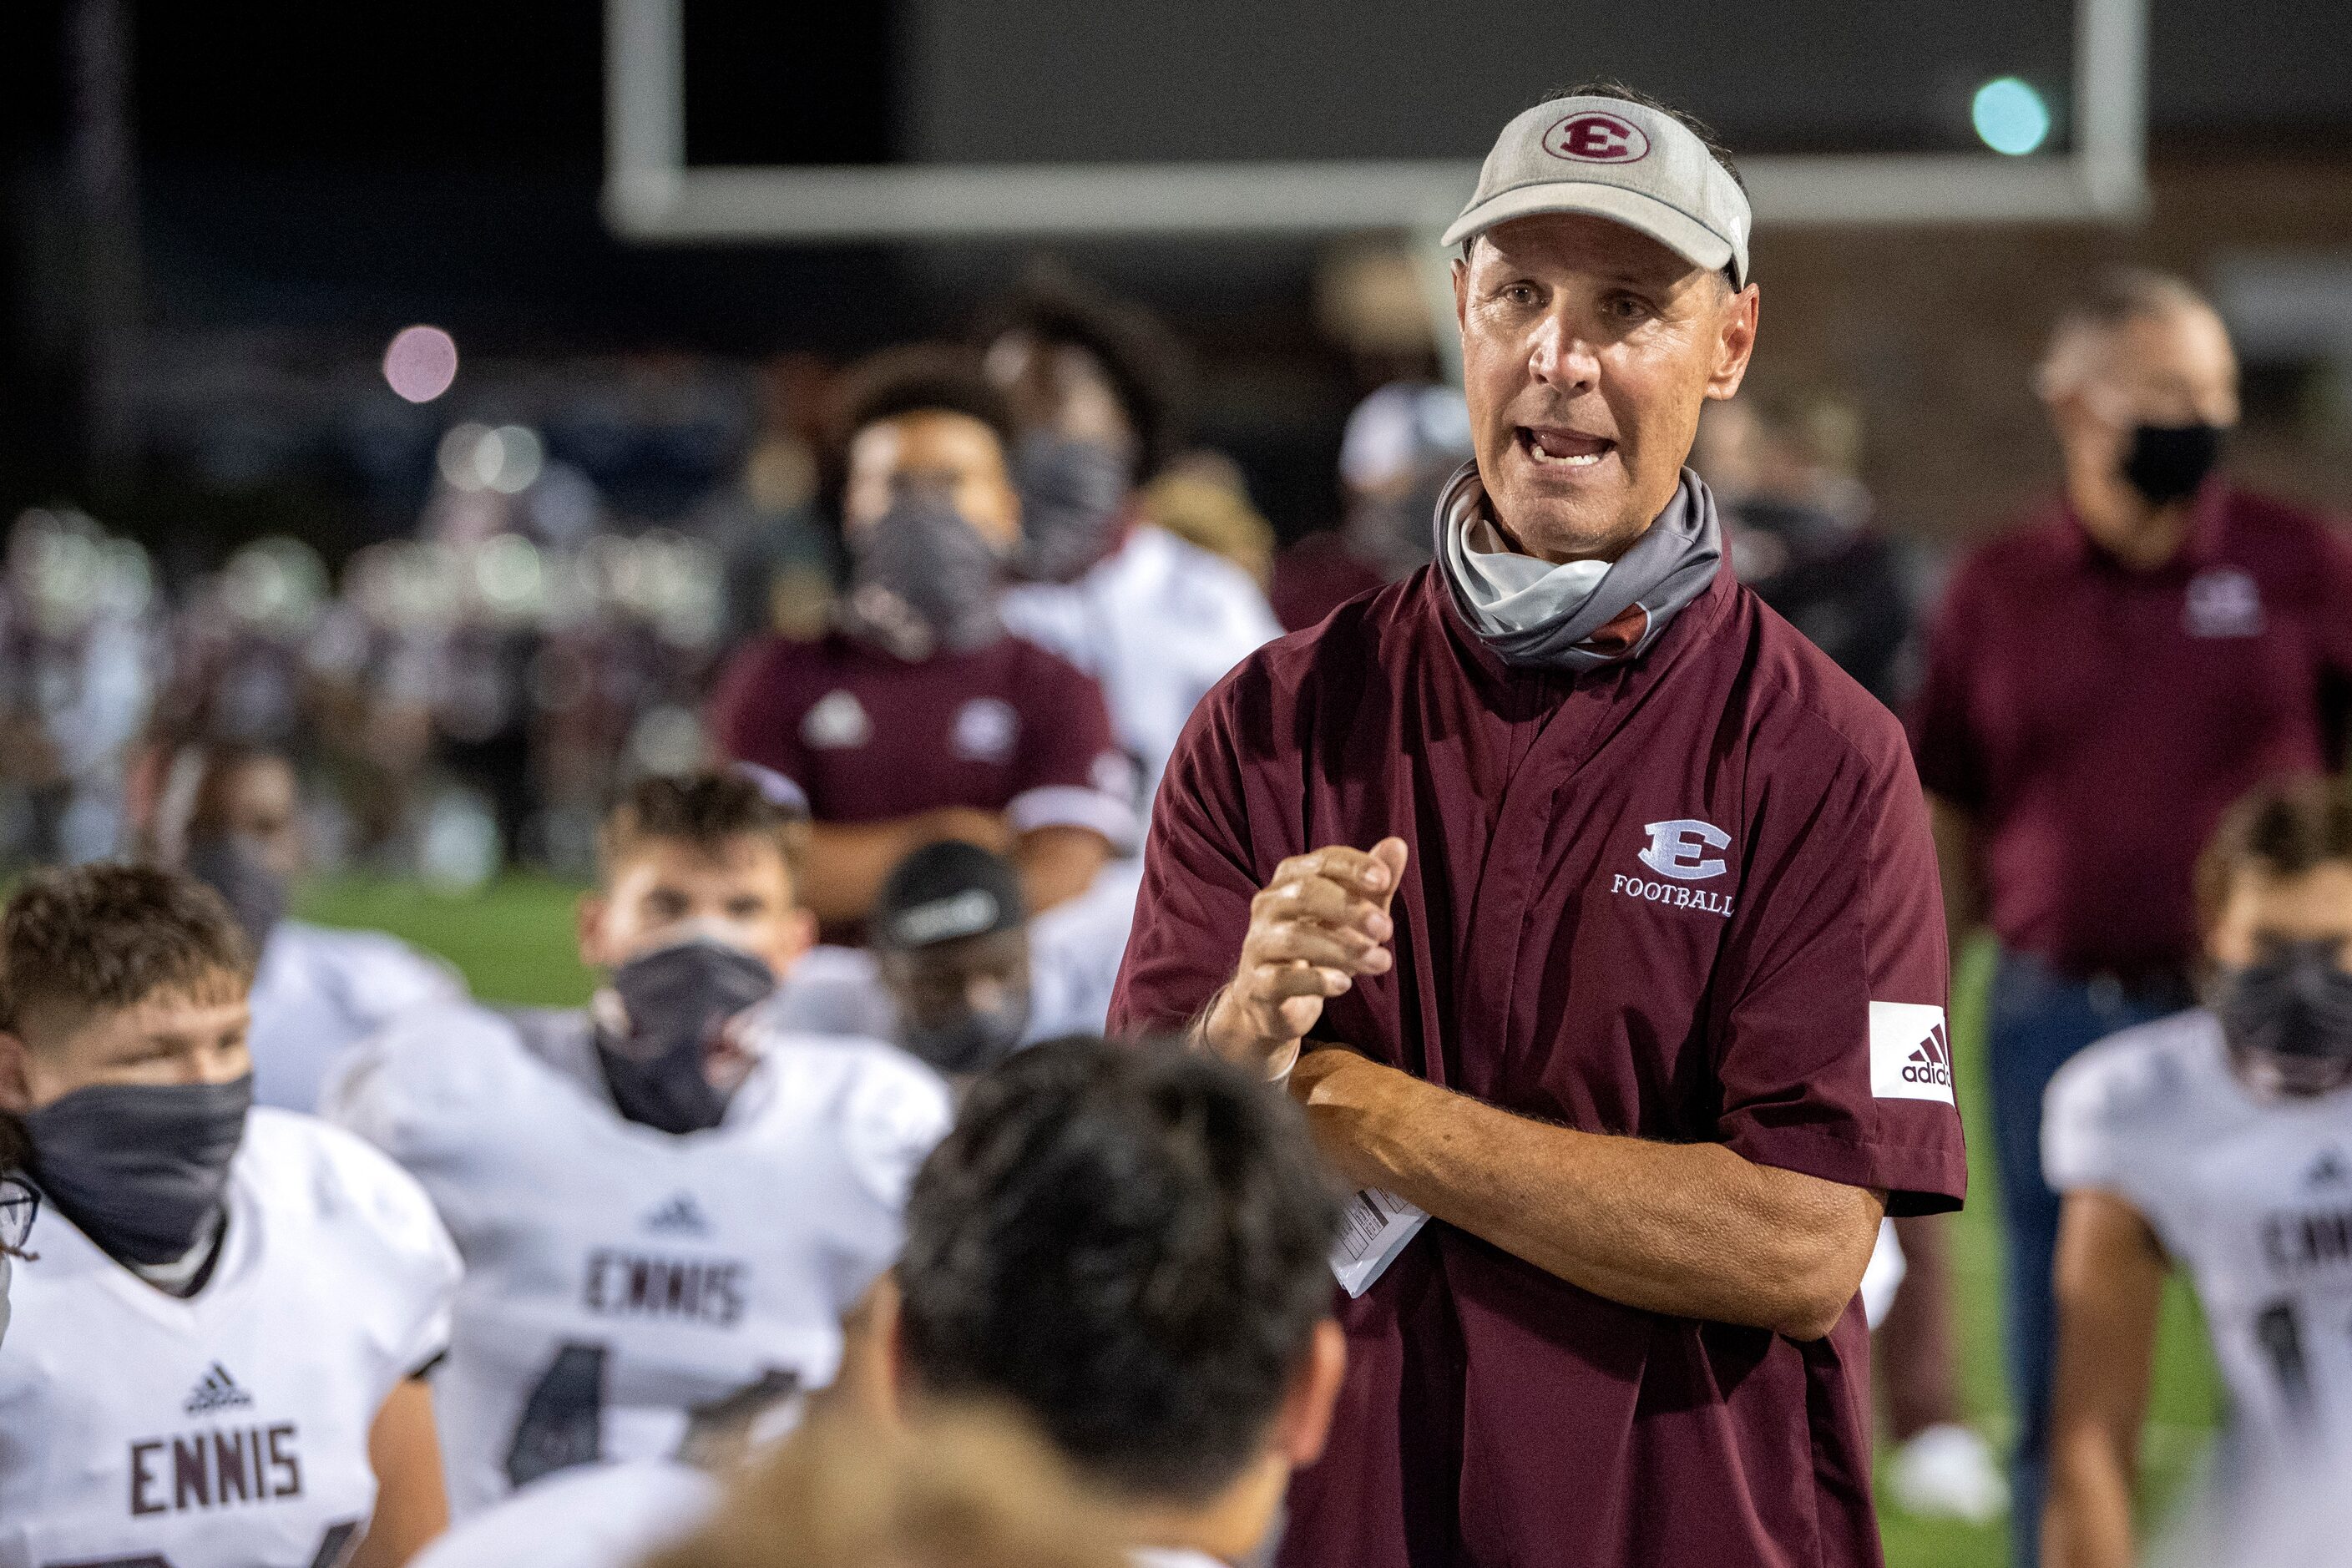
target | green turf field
[{"x": 514, "y": 942}]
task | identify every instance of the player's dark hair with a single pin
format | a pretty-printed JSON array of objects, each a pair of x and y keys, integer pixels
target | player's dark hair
[
  {"x": 110, "y": 935},
  {"x": 2283, "y": 828},
  {"x": 706, "y": 810},
  {"x": 1148, "y": 370},
  {"x": 1609, "y": 87},
  {"x": 915, "y": 378},
  {"x": 1128, "y": 1244}
]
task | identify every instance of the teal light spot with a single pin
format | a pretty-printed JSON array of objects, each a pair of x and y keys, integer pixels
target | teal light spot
[{"x": 2010, "y": 116}]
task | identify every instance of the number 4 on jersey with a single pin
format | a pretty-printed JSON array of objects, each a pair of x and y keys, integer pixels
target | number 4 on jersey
[{"x": 562, "y": 1421}]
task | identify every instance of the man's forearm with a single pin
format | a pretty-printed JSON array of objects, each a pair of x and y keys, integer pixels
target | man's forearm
[
  {"x": 1692, "y": 1229},
  {"x": 848, "y": 862},
  {"x": 1057, "y": 863}
]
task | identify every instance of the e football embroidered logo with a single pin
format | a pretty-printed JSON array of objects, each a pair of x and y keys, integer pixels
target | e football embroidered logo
[
  {"x": 1677, "y": 851},
  {"x": 1910, "y": 1053},
  {"x": 1679, "y": 848}
]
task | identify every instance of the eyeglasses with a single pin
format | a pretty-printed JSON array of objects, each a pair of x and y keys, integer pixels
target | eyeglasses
[{"x": 18, "y": 1204}]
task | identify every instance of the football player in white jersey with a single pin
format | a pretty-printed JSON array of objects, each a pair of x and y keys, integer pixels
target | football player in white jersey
[
  {"x": 1156, "y": 619},
  {"x": 221, "y": 1312},
  {"x": 659, "y": 1203},
  {"x": 1129, "y": 1247},
  {"x": 2218, "y": 1140},
  {"x": 233, "y": 818}
]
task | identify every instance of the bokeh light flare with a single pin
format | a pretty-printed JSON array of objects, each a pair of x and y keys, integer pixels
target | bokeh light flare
[
  {"x": 421, "y": 362},
  {"x": 2010, "y": 117}
]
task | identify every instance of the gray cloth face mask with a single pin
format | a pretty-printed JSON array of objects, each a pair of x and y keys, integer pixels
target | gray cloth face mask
[
  {"x": 923, "y": 580},
  {"x": 1538, "y": 615},
  {"x": 141, "y": 1168},
  {"x": 1072, "y": 493}
]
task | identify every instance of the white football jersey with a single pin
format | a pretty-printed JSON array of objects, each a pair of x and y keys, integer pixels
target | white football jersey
[
  {"x": 619, "y": 1278},
  {"x": 229, "y": 1429},
  {"x": 317, "y": 990},
  {"x": 2251, "y": 1196},
  {"x": 607, "y": 1516},
  {"x": 1158, "y": 623}
]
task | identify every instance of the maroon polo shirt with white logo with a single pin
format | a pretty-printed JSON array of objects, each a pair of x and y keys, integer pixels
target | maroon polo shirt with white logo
[
  {"x": 2096, "y": 720},
  {"x": 1689, "y": 899},
  {"x": 867, "y": 736}
]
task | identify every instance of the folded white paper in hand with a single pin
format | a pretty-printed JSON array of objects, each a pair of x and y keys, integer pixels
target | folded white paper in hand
[{"x": 1373, "y": 1230}]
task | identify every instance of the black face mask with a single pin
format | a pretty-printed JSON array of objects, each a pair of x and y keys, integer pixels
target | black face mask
[
  {"x": 139, "y": 1167},
  {"x": 1071, "y": 495},
  {"x": 2166, "y": 463},
  {"x": 973, "y": 1042},
  {"x": 234, "y": 870},
  {"x": 2288, "y": 1016},
  {"x": 671, "y": 1004}
]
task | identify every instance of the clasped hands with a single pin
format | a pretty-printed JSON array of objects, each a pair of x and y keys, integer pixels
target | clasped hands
[{"x": 1321, "y": 921}]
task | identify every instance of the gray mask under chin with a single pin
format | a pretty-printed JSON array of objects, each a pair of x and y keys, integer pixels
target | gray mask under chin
[
  {"x": 1570, "y": 618},
  {"x": 922, "y": 580}
]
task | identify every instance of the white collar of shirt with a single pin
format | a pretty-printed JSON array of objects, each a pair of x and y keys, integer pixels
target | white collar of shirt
[{"x": 1170, "y": 1557}]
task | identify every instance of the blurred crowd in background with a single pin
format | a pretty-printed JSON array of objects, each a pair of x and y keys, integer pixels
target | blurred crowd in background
[{"x": 465, "y": 696}]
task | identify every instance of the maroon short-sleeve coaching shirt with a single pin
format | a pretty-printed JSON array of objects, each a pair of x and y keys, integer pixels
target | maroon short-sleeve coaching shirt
[
  {"x": 867, "y": 736},
  {"x": 2097, "y": 720},
  {"x": 1690, "y": 899}
]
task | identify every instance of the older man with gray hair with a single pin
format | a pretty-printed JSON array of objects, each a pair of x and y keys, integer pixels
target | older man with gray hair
[{"x": 1610, "y": 907}]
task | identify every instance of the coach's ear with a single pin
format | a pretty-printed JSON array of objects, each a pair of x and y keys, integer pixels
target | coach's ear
[
  {"x": 1305, "y": 1424},
  {"x": 15, "y": 1074}
]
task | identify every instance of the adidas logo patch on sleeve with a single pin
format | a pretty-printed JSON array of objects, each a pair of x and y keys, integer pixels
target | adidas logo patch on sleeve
[{"x": 1910, "y": 1054}]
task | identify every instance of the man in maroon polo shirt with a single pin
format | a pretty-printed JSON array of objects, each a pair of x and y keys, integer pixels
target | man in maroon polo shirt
[
  {"x": 1611, "y": 907},
  {"x": 917, "y": 717},
  {"x": 2103, "y": 682}
]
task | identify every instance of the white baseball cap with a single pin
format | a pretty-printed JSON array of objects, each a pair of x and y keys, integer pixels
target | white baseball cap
[{"x": 1624, "y": 162}]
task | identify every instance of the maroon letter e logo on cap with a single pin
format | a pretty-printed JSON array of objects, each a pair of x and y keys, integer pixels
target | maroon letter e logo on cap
[{"x": 1594, "y": 137}]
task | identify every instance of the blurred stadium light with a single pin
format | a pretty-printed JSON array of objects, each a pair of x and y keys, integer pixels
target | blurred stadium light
[{"x": 652, "y": 192}]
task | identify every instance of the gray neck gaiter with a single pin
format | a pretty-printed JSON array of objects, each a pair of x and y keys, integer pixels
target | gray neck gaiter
[{"x": 1587, "y": 614}]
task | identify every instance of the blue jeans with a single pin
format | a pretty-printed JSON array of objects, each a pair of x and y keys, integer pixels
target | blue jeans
[{"x": 2037, "y": 1018}]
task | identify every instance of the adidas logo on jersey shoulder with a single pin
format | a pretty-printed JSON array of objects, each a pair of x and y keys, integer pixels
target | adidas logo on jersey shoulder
[
  {"x": 217, "y": 1389},
  {"x": 679, "y": 1216},
  {"x": 1910, "y": 1053}
]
